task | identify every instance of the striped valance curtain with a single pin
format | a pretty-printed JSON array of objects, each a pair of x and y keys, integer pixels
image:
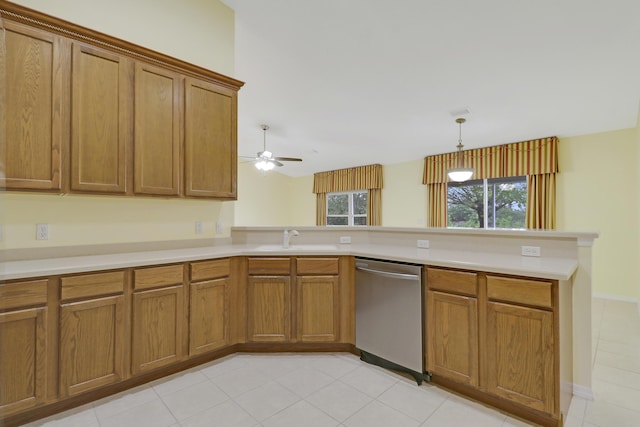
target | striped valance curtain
[
  {"x": 359, "y": 178},
  {"x": 535, "y": 157}
]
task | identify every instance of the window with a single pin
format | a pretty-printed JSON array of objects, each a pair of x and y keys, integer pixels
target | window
[
  {"x": 487, "y": 203},
  {"x": 347, "y": 209}
]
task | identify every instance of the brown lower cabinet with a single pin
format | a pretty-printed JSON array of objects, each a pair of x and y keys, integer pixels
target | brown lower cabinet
[
  {"x": 23, "y": 352},
  {"x": 63, "y": 338},
  {"x": 496, "y": 337},
  {"x": 68, "y": 338},
  {"x": 209, "y": 294},
  {"x": 269, "y": 300},
  {"x": 92, "y": 333},
  {"x": 453, "y": 336},
  {"x": 294, "y": 299},
  {"x": 318, "y": 295},
  {"x": 521, "y": 343},
  {"x": 158, "y": 319}
]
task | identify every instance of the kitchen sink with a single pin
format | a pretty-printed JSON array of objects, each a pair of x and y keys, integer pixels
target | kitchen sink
[{"x": 297, "y": 248}]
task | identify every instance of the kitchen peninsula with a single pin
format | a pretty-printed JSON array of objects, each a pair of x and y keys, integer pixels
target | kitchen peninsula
[{"x": 215, "y": 299}]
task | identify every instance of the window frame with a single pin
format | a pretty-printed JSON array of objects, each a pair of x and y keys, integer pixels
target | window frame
[
  {"x": 350, "y": 215},
  {"x": 486, "y": 182}
]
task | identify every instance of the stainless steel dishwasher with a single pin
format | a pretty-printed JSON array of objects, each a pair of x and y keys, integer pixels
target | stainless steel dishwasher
[{"x": 389, "y": 315}]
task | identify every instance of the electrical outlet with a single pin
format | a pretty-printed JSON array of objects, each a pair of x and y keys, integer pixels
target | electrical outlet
[
  {"x": 530, "y": 250},
  {"x": 199, "y": 227},
  {"x": 345, "y": 240},
  {"x": 424, "y": 244},
  {"x": 219, "y": 227},
  {"x": 42, "y": 231}
]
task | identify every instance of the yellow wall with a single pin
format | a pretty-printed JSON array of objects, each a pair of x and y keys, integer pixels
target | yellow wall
[
  {"x": 598, "y": 191},
  {"x": 303, "y": 201},
  {"x": 197, "y": 31},
  {"x": 404, "y": 197},
  {"x": 264, "y": 198}
]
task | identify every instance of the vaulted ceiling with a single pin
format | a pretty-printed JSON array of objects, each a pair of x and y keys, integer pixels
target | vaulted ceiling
[{"x": 344, "y": 83}]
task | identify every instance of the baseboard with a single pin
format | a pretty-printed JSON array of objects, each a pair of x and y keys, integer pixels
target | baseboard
[
  {"x": 614, "y": 297},
  {"x": 583, "y": 392}
]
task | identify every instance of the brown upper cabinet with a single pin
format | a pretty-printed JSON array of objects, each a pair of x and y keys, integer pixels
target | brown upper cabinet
[
  {"x": 34, "y": 114},
  {"x": 210, "y": 140},
  {"x": 99, "y": 120},
  {"x": 156, "y": 131},
  {"x": 90, "y": 113}
]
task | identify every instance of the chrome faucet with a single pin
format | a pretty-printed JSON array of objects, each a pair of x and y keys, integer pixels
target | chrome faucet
[{"x": 287, "y": 236}]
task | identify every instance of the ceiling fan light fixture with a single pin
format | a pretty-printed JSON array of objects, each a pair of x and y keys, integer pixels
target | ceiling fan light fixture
[
  {"x": 459, "y": 173},
  {"x": 265, "y": 165}
]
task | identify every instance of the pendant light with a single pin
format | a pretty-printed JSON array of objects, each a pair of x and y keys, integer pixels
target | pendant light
[{"x": 459, "y": 173}]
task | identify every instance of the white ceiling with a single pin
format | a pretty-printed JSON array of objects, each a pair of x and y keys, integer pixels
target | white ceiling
[{"x": 345, "y": 83}]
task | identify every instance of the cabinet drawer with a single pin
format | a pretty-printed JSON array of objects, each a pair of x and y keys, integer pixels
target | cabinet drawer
[
  {"x": 23, "y": 294},
  {"x": 317, "y": 266},
  {"x": 269, "y": 266},
  {"x": 520, "y": 291},
  {"x": 155, "y": 277},
  {"x": 209, "y": 269},
  {"x": 91, "y": 285},
  {"x": 457, "y": 282}
]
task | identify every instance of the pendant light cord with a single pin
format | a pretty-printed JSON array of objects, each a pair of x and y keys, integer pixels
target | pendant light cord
[{"x": 460, "y": 121}]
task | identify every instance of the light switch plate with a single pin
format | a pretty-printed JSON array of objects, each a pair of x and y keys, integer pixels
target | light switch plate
[
  {"x": 219, "y": 227},
  {"x": 345, "y": 240},
  {"x": 199, "y": 227}
]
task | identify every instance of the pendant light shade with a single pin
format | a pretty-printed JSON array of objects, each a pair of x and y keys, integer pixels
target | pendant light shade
[{"x": 459, "y": 173}]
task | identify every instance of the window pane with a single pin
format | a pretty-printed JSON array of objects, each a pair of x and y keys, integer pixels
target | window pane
[
  {"x": 337, "y": 204},
  {"x": 359, "y": 220},
  {"x": 510, "y": 202},
  {"x": 465, "y": 204},
  {"x": 337, "y": 220},
  {"x": 360, "y": 203}
]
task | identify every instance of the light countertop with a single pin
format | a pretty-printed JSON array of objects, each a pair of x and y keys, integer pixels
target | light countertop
[{"x": 540, "y": 267}]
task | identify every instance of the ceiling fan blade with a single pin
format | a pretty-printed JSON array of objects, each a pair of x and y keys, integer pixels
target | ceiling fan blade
[
  {"x": 275, "y": 162},
  {"x": 288, "y": 159}
]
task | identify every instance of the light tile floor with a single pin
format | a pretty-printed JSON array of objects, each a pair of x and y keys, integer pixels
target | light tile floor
[{"x": 326, "y": 390}]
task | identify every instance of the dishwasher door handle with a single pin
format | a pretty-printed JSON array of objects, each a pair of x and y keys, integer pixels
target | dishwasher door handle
[{"x": 405, "y": 276}]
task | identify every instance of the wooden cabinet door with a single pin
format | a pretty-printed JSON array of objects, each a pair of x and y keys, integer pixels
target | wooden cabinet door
[
  {"x": 318, "y": 308},
  {"x": 210, "y": 140},
  {"x": 452, "y": 336},
  {"x": 158, "y": 317},
  {"x": 519, "y": 360},
  {"x": 156, "y": 131},
  {"x": 35, "y": 72},
  {"x": 22, "y": 359},
  {"x": 208, "y": 315},
  {"x": 269, "y": 308},
  {"x": 100, "y": 112},
  {"x": 91, "y": 344}
]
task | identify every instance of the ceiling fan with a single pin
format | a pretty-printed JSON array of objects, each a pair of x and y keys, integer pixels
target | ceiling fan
[{"x": 265, "y": 160}]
